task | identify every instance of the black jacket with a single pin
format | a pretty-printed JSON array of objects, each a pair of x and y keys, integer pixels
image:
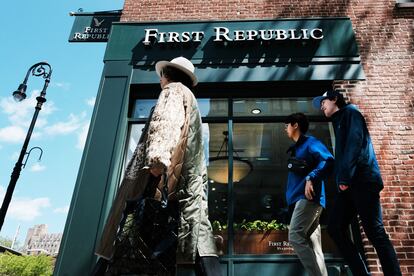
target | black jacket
[{"x": 355, "y": 161}]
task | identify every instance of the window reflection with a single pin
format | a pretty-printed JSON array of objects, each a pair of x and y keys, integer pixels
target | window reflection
[
  {"x": 207, "y": 107},
  {"x": 218, "y": 192},
  {"x": 273, "y": 107},
  {"x": 260, "y": 212},
  {"x": 213, "y": 107},
  {"x": 142, "y": 108},
  {"x": 134, "y": 135}
]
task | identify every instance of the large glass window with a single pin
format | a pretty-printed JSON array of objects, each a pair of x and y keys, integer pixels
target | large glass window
[
  {"x": 259, "y": 107},
  {"x": 253, "y": 135}
]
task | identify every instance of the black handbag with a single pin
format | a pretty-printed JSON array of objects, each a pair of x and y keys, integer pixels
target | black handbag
[
  {"x": 297, "y": 166},
  {"x": 147, "y": 237}
]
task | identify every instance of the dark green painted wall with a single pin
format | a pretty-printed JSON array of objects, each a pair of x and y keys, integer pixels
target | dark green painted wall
[{"x": 98, "y": 173}]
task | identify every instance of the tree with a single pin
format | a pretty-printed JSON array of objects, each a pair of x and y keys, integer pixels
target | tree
[
  {"x": 6, "y": 242},
  {"x": 13, "y": 265}
]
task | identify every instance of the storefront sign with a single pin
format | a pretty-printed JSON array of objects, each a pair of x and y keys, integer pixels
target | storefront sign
[
  {"x": 225, "y": 34},
  {"x": 280, "y": 49},
  {"x": 281, "y": 246},
  {"x": 92, "y": 27}
]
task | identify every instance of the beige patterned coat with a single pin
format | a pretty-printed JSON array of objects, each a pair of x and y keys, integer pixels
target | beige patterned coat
[{"x": 158, "y": 149}]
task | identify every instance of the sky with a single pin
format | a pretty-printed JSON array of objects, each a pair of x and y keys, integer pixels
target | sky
[{"x": 34, "y": 31}]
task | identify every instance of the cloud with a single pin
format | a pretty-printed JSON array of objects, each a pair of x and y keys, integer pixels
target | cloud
[
  {"x": 82, "y": 135},
  {"x": 36, "y": 167},
  {"x": 21, "y": 113},
  {"x": 63, "y": 128},
  {"x": 25, "y": 209},
  {"x": 12, "y": 134},
  {"x": 63, "y": 85},
  {"x": 62, "y": 210},
  {"x": 91, "y": 101}
]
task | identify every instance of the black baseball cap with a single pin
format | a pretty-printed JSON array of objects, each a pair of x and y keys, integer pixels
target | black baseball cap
[{"x": 329, "y": 94}]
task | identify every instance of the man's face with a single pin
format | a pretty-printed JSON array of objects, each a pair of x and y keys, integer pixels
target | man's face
[
  {"x": 291, "y": 130},
  {"x": 329, "y": 107}
]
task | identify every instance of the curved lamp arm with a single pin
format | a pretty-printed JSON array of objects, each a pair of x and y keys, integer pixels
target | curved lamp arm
[
  {"x": 39, "y": 69},
  {"x": 28, "y": 154}
]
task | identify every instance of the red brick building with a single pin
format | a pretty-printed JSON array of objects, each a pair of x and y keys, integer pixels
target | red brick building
[{"x": 384, "y": 34}]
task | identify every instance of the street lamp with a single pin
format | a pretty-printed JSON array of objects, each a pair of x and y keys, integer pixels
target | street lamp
[{"x": 44, "y": 70}]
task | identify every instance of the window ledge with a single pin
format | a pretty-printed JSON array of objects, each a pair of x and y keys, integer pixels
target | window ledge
[{"x": 404, "y": 4}]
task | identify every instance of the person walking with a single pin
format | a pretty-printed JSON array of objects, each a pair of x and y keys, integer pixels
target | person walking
[
  {"x": 359, "y": 181},
  {"x": 309, "y": 164},
  {"x": 163, "y": 152}
]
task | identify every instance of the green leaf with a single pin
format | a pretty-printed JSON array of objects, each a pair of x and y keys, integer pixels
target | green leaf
[{"x": 13, "y": 265}]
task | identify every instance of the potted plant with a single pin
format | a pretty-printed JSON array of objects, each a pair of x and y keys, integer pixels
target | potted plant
[{"x": 254, "y": 237}]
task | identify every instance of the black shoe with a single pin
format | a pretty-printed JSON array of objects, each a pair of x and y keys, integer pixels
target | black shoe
[{"x": 100, "y": 267}]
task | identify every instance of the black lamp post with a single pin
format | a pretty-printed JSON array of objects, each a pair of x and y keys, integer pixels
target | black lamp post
[{"x": 39, "y": 69}]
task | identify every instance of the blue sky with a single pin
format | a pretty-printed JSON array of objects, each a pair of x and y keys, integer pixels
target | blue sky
[{"x": 34, "y": 31}]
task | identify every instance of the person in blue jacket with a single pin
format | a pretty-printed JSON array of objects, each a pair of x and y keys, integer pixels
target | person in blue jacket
[
  {"x": 359, "y": 181},
  {"x": 309, "y": 164}
]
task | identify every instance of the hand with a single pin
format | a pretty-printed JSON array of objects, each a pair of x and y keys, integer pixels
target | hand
[
  {"x": 343, "y": 187},
  {"x": 309, "y": 193}
]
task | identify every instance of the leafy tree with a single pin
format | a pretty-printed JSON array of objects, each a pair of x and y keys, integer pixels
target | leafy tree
[
  {"x": 6, "y": 242},
  {"x": 13, "y": 265}
]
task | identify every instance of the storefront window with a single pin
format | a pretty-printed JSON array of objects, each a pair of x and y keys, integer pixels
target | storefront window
[
  {"x": 142, "y": 108},
  {"x": 218, "y": 192},
  {"x": 134, "y": 135},
  {"x": 260, "y": 214},
  {"x": 272, "y": 107},
  {"x": 260, "y": 211},
  {"x": 207, "y": 107},
  {"x": 213, "y": 107}
]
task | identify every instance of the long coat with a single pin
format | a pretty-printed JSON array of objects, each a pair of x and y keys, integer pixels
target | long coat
[{"x": 168, "y": 146}]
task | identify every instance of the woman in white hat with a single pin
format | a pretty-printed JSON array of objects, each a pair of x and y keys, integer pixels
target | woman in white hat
[
  {"x": 173, "y": 145},
  {"x": 195, "y": 237}
]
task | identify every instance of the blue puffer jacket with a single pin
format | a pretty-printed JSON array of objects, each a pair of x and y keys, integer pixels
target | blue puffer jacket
[
  {"x": 356, "y": 164},
  {"x": 321, "y": 162}
]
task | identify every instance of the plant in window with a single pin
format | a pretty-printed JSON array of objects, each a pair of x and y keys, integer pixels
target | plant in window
[
  {"x": 216, "y": 226},
  {"x": 249, "y": 226}
]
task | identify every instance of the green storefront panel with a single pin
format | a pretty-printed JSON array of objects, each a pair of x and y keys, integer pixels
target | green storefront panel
[{"x": 129, "y": 61}]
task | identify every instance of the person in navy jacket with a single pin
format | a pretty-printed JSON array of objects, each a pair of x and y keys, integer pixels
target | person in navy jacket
[
  {"x": 309, "y": 164},
  {"x": 359, "y": 181}
]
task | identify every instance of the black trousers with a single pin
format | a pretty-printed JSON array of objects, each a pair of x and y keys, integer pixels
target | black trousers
[
  {"x": 366, "y": 204},
  {"x": 207, "y": 266}
]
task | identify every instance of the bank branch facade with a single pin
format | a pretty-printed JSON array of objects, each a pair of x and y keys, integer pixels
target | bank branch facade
[{"x": 252, "y": 73}]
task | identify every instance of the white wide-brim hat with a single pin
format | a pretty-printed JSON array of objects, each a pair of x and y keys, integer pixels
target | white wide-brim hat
[{"x": 180, "y": 63}]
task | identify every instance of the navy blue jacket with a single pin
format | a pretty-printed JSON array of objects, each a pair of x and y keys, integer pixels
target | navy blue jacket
[
  {"x": 355, "y": 161},
  {"x": 321, "y": 162}
]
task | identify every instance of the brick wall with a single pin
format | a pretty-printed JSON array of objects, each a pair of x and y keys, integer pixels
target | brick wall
[{"x": 385, "y": 36}]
